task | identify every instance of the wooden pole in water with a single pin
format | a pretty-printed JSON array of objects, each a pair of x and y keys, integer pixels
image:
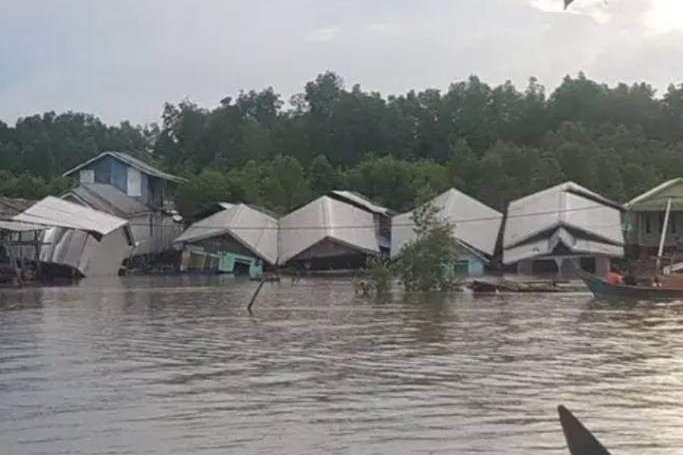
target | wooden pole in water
[
  {"x": 663, "y": 236},
  {"x": 253, "y": 297}
]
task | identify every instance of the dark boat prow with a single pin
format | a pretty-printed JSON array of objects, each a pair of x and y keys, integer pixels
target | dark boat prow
[{"x": 580, "y": 440}]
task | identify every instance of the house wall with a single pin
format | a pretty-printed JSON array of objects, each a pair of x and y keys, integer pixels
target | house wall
[
  {"x": 113, "y": 172},
  {"x": 468, "y": 264},
  {"x": 154, "y": 233},
  {"x": 649, "y": 238},
  {"x": 226, "y": 243},
  {"x": 563, "y": 267}
]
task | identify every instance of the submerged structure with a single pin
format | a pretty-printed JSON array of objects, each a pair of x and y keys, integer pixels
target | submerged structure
[
  {"x": 561, "y": 228},
  {"x": 153, "y": 230},
  {"x": 475, "y": 226},
  {"x": 327, "y": 234},
  {"x": 127, "y": 187},
  {"x": 237, "y": 234},
  {"x": 381, "y": 215},
  {"x": 80, "y": 241},
  {"x": 19, "y": 242}
]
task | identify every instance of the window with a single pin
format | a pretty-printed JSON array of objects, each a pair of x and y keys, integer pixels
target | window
[
  {"x": 672, "y": 223},
  {"x": 661, "y": 222},
  {"x": 648, "y": 223},
  {"x": 134, "y": 187},
  {"x": 87, "y": 176}
]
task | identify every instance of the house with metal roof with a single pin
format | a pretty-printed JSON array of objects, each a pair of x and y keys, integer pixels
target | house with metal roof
[
  {"x": 561, "y": 228},
  {"x": 327, "y": 234},
  {"x": 475, "y": 227},
  {"x": 128, "y": 174},
  {"x": 80, "y": 240},
  {"x": 236, "y": 232},
  {"x": 382, "y": 215},
  {"x": 645, "y": 219}
]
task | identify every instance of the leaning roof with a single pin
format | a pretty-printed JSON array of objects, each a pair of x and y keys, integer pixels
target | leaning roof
[
  {"x": 656, "y": 198},
  {"x": 360, "y": 201},
  {"x": 326, "y": 218},
  {"x": 109, "y": 199},
  {"x": 52, "y": 211},
  {"x": 475, "y": 224},
  {"x": 131, "y": 161},
  {"x": 255, "y": 230},
  {"x": 568, "y": 205}
]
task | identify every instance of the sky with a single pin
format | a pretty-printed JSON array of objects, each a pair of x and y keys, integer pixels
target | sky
[{"x": 121, "y": 60}]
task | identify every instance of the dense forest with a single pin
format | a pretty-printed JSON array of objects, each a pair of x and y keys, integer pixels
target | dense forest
[{"x": 495, "y": 143}]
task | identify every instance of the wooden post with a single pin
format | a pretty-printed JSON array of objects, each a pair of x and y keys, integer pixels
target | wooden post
[
  {"x": 663, "y": 237},
  {"x": 253, "y": 298},
  {"x": 12, "y": 260}
]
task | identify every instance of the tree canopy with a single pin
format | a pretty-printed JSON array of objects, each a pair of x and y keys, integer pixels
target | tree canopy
[{"x": 493, "y": 142}]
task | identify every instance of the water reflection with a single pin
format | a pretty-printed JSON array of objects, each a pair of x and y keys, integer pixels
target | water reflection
[{"x": 176, "y": 365}]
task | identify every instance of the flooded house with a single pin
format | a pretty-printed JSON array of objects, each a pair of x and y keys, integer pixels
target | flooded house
[
  {"x": 233, "y": 236},
  {"x": 19, "y": 242},
  {"x": 645, "y": 218},
  {"x": 475, "y": 227},
  {"x": 328, "y": 233},
  {"x": 561, "y": 228},
  {"x": 381, "y": 215},
  {"x": 129, "y": 188},
  {"x": 80, "y": 241}
]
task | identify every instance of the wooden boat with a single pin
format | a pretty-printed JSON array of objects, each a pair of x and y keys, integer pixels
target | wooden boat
[
  {"x": 580, "y": 441},
  {"x": 601, "y": 289}
]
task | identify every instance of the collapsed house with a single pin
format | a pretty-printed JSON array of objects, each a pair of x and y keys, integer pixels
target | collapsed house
[
  {"x": 80, "y": 241},
  {"x": 234, "y": 236},
  {"x": 475, "y": 228},
  {"x": 153, "y": 231},
  {"x": 126, "y": 187},
  {"x": 561, "y": 228},
  {"x": 327, "y": 234}
]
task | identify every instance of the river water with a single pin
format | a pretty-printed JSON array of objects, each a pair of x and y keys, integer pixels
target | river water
[{"x": 177, "y": 366}]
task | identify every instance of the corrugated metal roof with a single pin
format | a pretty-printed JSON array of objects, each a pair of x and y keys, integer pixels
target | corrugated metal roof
[
  {"x": 326, "y": 218},
  {"x": 255, "y": 230},
  {"x": 109, "y": 199},
  {"x": 573, "y": 241},
  {"x": 52, "y": 211},
  {"x": 360, "y": 201},
  {"x": 131, "y": 161},
  {"x": 474, "y": 224},
  {"x": 568, "y": 205},
  {"x": 650, "y": 194}
]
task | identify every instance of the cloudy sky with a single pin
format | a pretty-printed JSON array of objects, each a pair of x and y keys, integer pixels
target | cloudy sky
[{"x": 122, "y": 59}]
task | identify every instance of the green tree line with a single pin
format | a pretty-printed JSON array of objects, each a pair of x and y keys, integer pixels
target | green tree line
[{"x": 496, "y": 143}]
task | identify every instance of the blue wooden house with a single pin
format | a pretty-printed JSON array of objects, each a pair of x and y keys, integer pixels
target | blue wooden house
[
  {"x": 130, "y": 175},
  {"x": 127, "y": 187}
]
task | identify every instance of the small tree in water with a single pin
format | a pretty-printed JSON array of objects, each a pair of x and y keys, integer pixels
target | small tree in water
[{"x": 426, "y": 262}]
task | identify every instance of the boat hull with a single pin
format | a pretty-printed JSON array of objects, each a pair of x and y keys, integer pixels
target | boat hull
[{"x": 601, "y": 289}]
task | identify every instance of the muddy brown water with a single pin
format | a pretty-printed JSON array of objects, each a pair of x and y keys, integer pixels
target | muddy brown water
[{"x": 176, "y": 365}]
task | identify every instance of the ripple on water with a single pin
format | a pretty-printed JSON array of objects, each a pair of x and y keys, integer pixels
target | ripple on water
[{"x": 176, "y": 365}]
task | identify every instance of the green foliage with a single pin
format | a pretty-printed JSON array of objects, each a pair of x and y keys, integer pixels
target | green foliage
[
  {"x": 424, "y": 262},
  {"x": 380, "y": 273},
  {"x": 494, "y": 142}
]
